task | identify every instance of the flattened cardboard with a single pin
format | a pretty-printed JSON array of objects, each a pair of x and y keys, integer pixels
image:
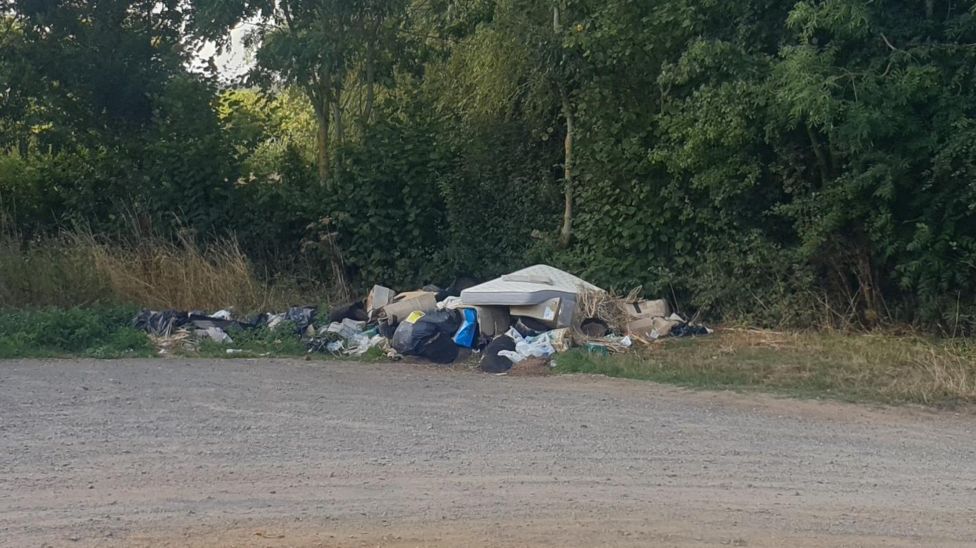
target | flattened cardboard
[
  {"x": 406, "y": 303},
  {"x": 378, "y": 297},
  {"x": 547, "y": 312},
  {"x": 648, "y": 309}
]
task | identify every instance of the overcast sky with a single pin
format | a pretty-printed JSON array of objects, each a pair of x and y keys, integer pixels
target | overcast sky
[{"x": 233, "y": 62}]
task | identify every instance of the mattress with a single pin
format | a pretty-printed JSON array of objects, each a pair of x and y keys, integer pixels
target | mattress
[{"x": 527, "y": 287}]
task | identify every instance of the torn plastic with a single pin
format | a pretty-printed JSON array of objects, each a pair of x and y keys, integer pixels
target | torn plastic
[
  {"x": 492, "y": 360},
  {"x": 222, "y": 315},
  {"x": 540, "y": 346},
  {"x": 215, "y": 334},
  {"x": 467, "y": 334},
  {"x": 347, "y": 329},
  {"x": 161, "y": 323}
]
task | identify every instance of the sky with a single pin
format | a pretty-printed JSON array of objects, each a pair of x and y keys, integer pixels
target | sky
[{"x": 234, "y": 61}]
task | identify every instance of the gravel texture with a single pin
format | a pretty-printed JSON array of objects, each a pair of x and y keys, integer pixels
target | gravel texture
[{"x": 294, "y": 453}]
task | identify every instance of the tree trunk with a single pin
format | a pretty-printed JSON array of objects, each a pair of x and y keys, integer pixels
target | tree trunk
[
  {"x": 864, "y": 269},
  {"x": 320, "y": 94},
  {"x": 822, "y": 162},
  {"x": 322, "y": 118},
  {"x": 370, "y": 84},
  {"x": 566, "y": 232},
  {"x": 339, "y": 125},
  {"x": 340, "y": 128}
]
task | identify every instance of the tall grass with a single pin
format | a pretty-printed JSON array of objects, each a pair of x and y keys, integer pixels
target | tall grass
[
  {"x": 76, "y": 268},
  {"x": 889, "y": 368}
]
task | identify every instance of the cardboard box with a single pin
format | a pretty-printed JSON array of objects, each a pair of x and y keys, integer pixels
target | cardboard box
[
  {"x": 493, "y": 321},
  {"x": 651, "y": 328},
  {"x": 378, "y": 297},
  {"x": 647, "y": 318},
  {"x": 546, "y": 312},
  {"x": 648, "y": 309},
  {"x": 406, "y": 303}
]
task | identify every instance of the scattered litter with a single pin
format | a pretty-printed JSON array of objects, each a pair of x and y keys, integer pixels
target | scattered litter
[
  {"x": 539, "y": 346},
  {"x": 406, "y": 303},
  {"x": 275, "y": 320},
  {"x": 466, "y": 335},
  {"x": 181, "y": 339},
  {"x": 493, "y": 361},
  {"x": 160, "y": 324},
  {"x": 602, "y": 309},
  {"x": 450, "y": 303},
  {"x": 378, "y": 297},
  {"x": 599, "y": 349},
  {"x": 215, "y": 334},
  {"x": 353, "y": 311},
  {"x": 302, "y": 317},
  {"x": 335, "y": 347},
  {"x": 424, "y": 334},
  {"x": 347, "y": 329},
  {"x": 595, "y": 327},
  {"x": 522, "y": 319},
  {"x": 687, "y": 330},
  {"x": 222, "y": 315}
]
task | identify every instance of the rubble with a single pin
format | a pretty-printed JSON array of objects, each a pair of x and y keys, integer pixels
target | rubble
[{"x": 532, "y": 314}]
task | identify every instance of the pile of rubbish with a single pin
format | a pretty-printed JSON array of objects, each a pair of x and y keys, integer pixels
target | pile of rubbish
[{"x": 533, "y": 313}]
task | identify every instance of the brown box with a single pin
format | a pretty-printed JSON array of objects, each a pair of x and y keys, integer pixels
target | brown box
[
  {"x": 408, "y": 302},
  {"x": 378, "y": 297},
  {"x": 493, "y": 321},
  {"x": 546, "y": 312},
  {"x": 648, "y": 309}
]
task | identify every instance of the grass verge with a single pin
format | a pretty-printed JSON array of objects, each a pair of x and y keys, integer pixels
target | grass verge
[
  {"x": 283, "y": 342},
  {"x": 866, "y": 368},
  {"x": 49, "y": 333}
]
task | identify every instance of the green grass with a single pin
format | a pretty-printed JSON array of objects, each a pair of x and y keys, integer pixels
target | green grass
[
  {"x": 867, "y": 368},
  {"x": 283, "y": 342},
  {"x": 51, "y": 332}
]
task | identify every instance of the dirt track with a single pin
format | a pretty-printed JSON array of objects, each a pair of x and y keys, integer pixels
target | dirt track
[{"x": 292, "y": 453}]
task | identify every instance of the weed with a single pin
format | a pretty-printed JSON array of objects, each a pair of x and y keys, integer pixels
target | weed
[
  {"x": 282, "y": 342},
  {"x": 97, "y": 333},
  {"x": 78, "y": 269}
]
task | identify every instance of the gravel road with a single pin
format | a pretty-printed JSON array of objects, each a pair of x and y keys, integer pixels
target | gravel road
[{"x": 294, "y": 453}]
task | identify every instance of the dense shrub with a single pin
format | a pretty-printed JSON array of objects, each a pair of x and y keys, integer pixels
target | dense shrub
[{"x": 776, "y": 161}]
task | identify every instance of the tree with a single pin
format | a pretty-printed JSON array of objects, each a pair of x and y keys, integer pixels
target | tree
[
  {"x": 96, "y": 66},
  {"x": 314, "y": 45},
  {"x": 114, "y": 120},
  {"x": 519, "y": 62}
]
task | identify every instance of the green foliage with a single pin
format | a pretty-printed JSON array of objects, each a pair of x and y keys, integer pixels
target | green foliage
[
  {"x": 52, "y": 332},
  {"x": 257, "y": 342},
  {"x": 386, "y": 205},
  {"x": 771, "y": 161}
]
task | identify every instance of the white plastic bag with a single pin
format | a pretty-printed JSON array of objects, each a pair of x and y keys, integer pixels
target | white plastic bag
[{"x": 540, "y": 346}]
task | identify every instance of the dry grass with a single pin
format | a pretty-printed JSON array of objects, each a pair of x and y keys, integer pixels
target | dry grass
[
  {"x": 605, "y": 306},
  {"x": 78, "y": 269},
  {"x": 861, "y": 367}
]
